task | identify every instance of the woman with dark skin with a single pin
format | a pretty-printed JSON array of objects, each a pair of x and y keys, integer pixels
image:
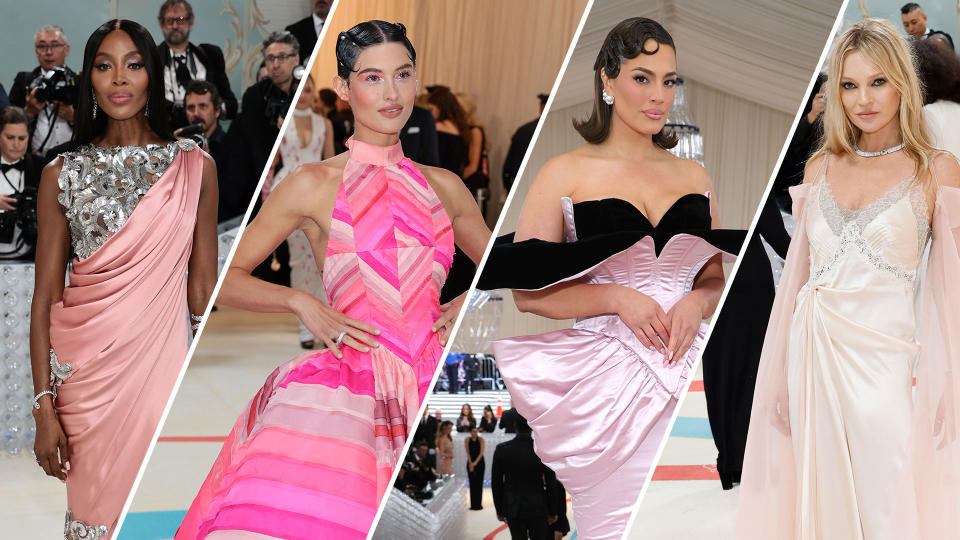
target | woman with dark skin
[{"x": 119, "y": 329}]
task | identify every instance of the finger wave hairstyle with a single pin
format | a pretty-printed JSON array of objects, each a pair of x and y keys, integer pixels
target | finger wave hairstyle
[
  {"x": 86, "y": 126},
  {"x": 880, "y": 43},
  {"x": 624, "y": 42},
  {"x": 352, "y": 42}
]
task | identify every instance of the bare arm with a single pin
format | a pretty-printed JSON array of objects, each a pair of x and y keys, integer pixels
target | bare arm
[
  {"x": 307, "y": 193},
  {"x": 475, "y": 152},
  {"x": 202, "y": 273},
  {"x": 53, "y": 253}
]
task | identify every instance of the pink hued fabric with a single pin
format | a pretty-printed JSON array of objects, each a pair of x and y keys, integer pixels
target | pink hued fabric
[
  {"x": 598, "y": 401},
  {"x": 122, "y": 324},
  {"x": 927, "y": 494},
  {"x": 312, "y": 455}
]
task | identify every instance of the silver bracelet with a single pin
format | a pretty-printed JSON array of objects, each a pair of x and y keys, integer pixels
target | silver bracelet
[
  {"x": 198, "y": 321},
  {"x": 36, "y": 398}
]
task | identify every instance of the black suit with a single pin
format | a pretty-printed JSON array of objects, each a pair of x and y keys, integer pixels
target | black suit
[
  {"x": 4, "y": 100},
  {"x": 523, "y": 488},
  {"x": 306, "y": 34},
  {"x": 419, "y": 138},
  {"x": 427, "y": 431},
  {"x": 32, "y": 167},
  {"x": 518, "y": 148},
  {"x": 211, "y": 57}
]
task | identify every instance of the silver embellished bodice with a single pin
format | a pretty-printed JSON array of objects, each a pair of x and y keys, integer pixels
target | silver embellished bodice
[{"x": 100, "y": 187}]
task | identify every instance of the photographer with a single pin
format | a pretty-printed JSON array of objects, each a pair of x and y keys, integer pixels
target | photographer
[
  {"x": 49, "y": 92},
  {"x": 19, "y": 180},
  {"x": 253, "y": 133},
  {"x": 185, "y": 62},
  {"x": 203, "y": 108}
]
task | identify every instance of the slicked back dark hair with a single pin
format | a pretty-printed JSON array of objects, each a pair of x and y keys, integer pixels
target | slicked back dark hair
[
  {"x": 352, "y": 42},
  {"x": 939, "y": 71},
  {"x": 625, "y": 41},
  {"x": 86, "y": 127}
]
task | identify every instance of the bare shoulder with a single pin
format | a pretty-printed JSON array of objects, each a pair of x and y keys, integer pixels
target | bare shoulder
[
  {"x": 439, "y": 177},
  {"x": 813, "y": 167},
  {"x": 946, "y": 169},
  {"x": 52, "y": 169},
  {"x": 694, "y": 173},
  {"x": 312, "y": 181},
  {"x": 561, "y": 173}
]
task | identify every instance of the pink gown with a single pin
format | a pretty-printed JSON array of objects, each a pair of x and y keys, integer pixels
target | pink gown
[
  {"x": 598, "y": 401},
  {"x": 119, "y": 336},
  {"x": 313, "y": 453}
]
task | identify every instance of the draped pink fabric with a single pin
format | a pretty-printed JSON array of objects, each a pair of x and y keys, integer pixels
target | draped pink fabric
[
  {"x": 929, "y": 490},
  {"x": 123, "y": 326},
  {"x": 312, "y": 454}
]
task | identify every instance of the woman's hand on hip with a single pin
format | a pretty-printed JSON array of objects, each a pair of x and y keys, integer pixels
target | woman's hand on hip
[
  {"x": 328, "y": 324},
  {"x": 448, "y": 316}
]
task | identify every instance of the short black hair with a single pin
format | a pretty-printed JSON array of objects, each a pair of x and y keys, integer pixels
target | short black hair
[
  {"x": 365, "y": 34},
  {"x": 543, "y": 98},
  {"x": 201, "y": 87},
  {"x": 908, "y": 7},
  {"x": 328, "y": 97},
  {"x": 281, "y": 36},
  {"x": 12, "y": 114}
]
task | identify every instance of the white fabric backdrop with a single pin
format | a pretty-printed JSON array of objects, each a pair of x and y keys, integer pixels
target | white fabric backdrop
[{"x": 743, "y": 89}]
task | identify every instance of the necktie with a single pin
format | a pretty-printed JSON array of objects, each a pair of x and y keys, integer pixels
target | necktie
[{"x": 183, "y": 73}]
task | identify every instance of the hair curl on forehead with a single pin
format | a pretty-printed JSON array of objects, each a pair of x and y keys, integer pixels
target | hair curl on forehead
[{"x": 352, "y": 42}]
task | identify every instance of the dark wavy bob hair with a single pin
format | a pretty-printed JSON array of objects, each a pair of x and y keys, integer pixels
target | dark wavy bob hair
[
  {"x": 625, "y": 41},
  {"x": 352, "y": 42},
  {"x": 86, "y": 127}
]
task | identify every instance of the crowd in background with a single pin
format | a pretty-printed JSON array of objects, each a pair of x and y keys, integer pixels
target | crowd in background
[{"x": 200, "y": 101}]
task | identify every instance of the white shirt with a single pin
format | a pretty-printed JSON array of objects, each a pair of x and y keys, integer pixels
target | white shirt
[
  {"x": 317, "y": 25},
  {"x": 173, "y": 91},
  {"x": 15, "y": 178},
  {"x": 62, "y": 132}
]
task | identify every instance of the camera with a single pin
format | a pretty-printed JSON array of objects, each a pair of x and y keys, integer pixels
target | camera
[
  {"x": 24, "y": 216},
  {"x": 277, "y": 102},
  {"x": 58, "y": 84},
  {"x": 195, "y": 132}
]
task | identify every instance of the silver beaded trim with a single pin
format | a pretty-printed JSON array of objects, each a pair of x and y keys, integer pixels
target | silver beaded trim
[
  {"x": 74, "y": 529},
  {"x": 58, "y": 372},
  {"x": 848, "y": 225}
]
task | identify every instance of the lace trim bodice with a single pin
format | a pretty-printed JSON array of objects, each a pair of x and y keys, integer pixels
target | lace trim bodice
[
  {"x": 849, "y": 224},
  {"x": 101, "y": 187}
]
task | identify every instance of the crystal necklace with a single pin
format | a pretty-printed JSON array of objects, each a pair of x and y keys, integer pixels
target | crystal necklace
[{"x": 883, "y": 152}]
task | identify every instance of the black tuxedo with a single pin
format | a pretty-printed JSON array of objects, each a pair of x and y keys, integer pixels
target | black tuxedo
[
  {"x": 306, "y": 34},
  {"x": 211, "y": 57},
  {"x": 523, "y": 488},
  {"x": 518, "y": 147},
  {"x": 427, "y": 431},
  {"x": 32, "y": 167},
  {"x": 419, "y": 138}
]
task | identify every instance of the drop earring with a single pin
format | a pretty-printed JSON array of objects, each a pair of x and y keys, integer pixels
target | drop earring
[
  {"x": 607, "y": 98},
  {"x": 94, "y": 96},
  {"x": 146, "y": 108}
]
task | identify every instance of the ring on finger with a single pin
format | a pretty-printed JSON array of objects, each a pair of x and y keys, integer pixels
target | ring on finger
[{"x": 339, "y": 339}]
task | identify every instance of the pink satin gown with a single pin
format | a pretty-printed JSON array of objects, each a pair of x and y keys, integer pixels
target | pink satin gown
[
  {"x": 598, "y": 401},
  {"x": 119, "y": 336},
  {"x": 312, "y": 454}
]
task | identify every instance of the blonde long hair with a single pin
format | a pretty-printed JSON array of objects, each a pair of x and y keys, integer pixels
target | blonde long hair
[{"x": 880, "y": 43}]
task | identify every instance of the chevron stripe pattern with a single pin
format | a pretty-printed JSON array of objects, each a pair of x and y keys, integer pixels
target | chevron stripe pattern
[{"x": 312, "y": 455}]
